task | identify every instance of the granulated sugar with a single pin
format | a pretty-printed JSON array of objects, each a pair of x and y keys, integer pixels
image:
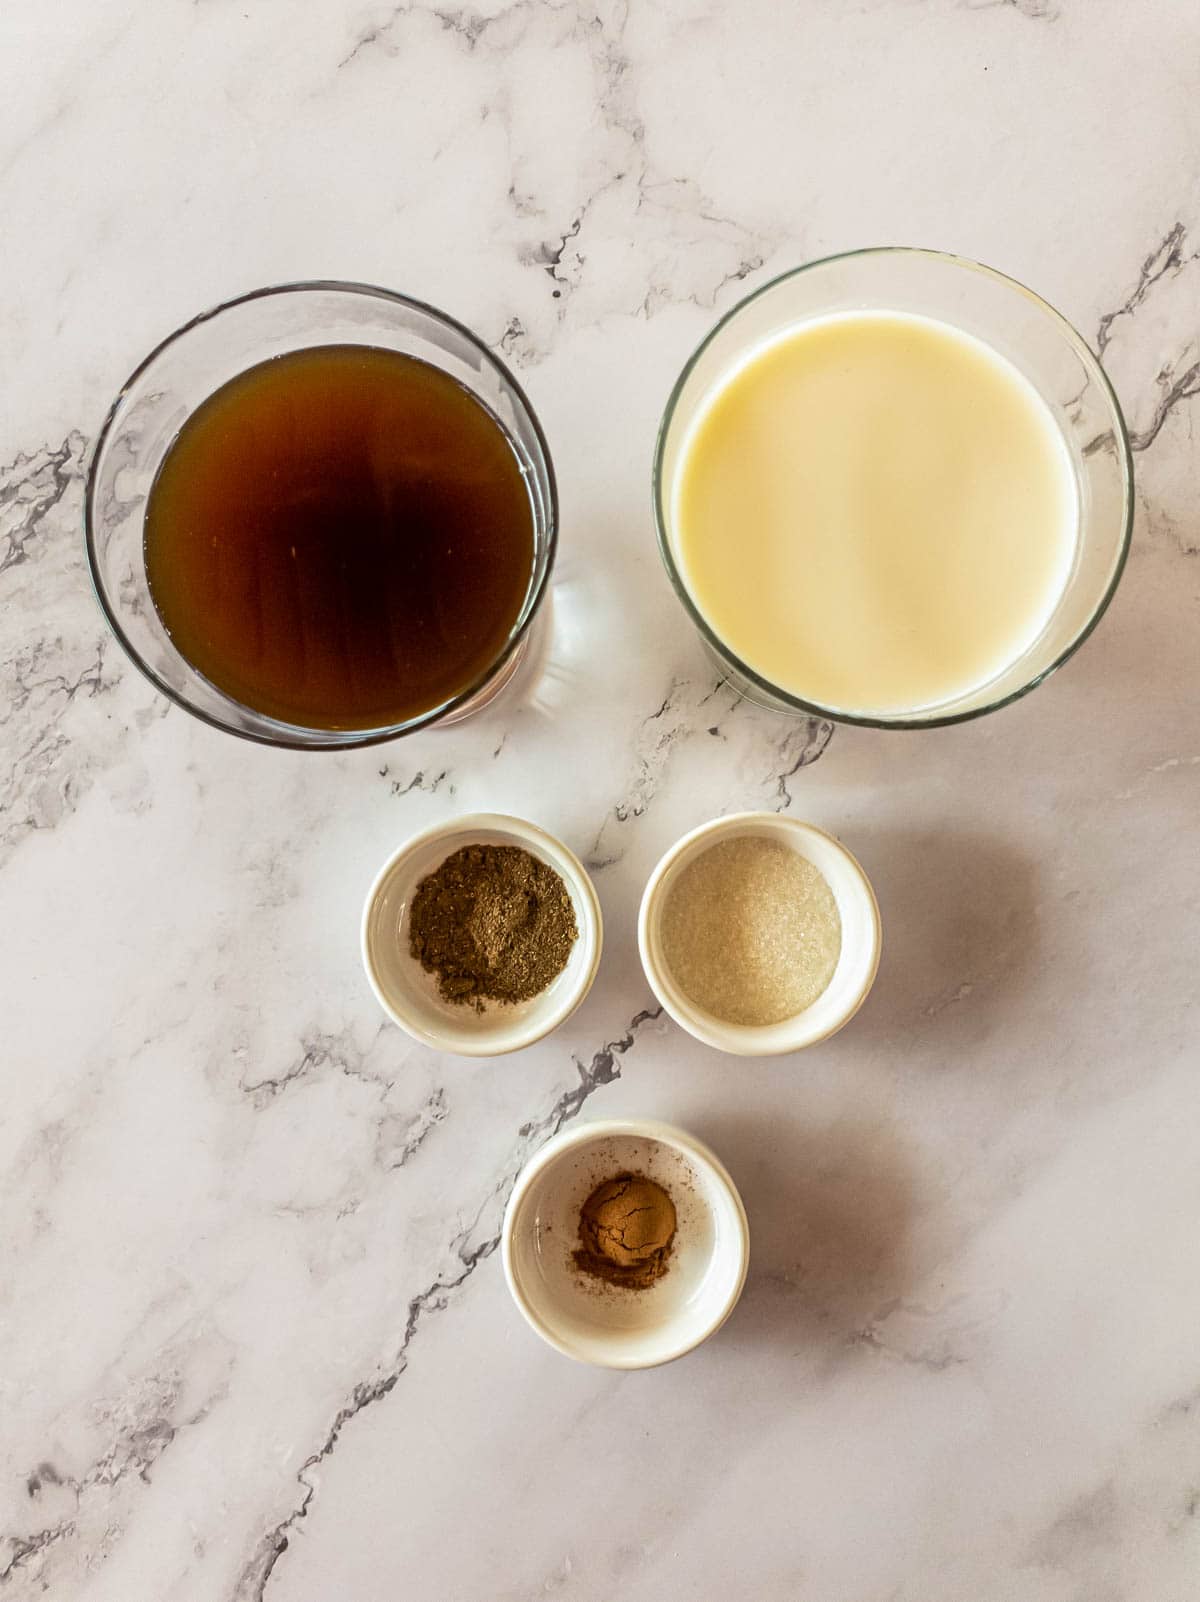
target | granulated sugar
[{"x": 751, "y": 931}]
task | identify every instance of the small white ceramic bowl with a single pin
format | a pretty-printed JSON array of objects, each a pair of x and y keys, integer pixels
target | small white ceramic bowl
[
  {"x": 610, "y": 1325},
  {"x": 856, "y": 967},
  {"x": 409, "y": 995}
]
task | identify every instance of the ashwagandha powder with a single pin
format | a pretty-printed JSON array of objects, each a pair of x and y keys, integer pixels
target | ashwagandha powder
[
  {"x": 751, "y": 931},
  {"x": 493, "y": 923}
]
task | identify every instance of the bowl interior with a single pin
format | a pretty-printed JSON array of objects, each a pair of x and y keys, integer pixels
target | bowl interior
[
  {"x": 410, "y": 994},
  {"x": 857, "y": 961},
  {"x": 608, "y": 1324}
]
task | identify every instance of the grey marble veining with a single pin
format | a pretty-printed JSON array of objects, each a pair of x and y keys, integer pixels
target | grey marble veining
[{"x": 254, "y": 1339}]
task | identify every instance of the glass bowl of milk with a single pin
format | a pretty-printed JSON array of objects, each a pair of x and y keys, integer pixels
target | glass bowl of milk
[{"x": 893, "y": 488}]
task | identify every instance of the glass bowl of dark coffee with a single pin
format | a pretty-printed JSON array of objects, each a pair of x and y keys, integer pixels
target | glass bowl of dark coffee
[{"x": 322, "y": 515}]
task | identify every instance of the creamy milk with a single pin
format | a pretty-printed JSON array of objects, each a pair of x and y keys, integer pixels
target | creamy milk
[{"x": 875, "y": 512}]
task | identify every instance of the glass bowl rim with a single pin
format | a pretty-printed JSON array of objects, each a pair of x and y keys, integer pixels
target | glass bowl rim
[
  {"x": 813, "y": 708},
  {"x": 294, "y": 736}
]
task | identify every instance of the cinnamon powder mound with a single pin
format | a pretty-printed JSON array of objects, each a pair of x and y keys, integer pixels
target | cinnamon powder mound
[{"x": 626, "y": 1230}]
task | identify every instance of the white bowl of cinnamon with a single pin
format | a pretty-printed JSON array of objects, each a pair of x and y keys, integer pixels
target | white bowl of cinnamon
[{"x": 625, "y": 1243}]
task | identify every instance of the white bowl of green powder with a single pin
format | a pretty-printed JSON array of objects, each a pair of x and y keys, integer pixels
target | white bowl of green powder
[
  {"x": 481, "y": 934},
  {"x": 759, "y": 934}
]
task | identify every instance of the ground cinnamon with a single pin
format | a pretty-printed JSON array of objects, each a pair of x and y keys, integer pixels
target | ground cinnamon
[{"x": 626, "y": 1230}]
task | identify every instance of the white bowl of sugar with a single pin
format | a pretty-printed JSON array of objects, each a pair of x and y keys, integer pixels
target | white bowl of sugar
[{"x": 759, "y": 934}]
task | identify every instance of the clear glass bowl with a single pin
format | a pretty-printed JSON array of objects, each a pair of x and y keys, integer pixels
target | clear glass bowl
[
  {"x": 1015, "y": 322},
  {"x": 182, "y": 372}
]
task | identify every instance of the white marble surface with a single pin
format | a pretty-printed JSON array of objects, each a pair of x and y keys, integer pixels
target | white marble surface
[{"x": 254, "y": 1339}]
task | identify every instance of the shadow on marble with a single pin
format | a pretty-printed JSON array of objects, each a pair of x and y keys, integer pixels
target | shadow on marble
[
  {"x": 830, "y": 1209},
  {"x": 961, "y": 936},
  {"x": 1128, "y": 675}
]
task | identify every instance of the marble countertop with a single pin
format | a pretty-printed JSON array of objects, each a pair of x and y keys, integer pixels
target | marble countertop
[{"x": 254, "y": 1336}]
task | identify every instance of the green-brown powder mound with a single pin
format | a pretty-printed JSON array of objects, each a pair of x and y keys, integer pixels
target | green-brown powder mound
[{"x": 493, "y": 923}]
